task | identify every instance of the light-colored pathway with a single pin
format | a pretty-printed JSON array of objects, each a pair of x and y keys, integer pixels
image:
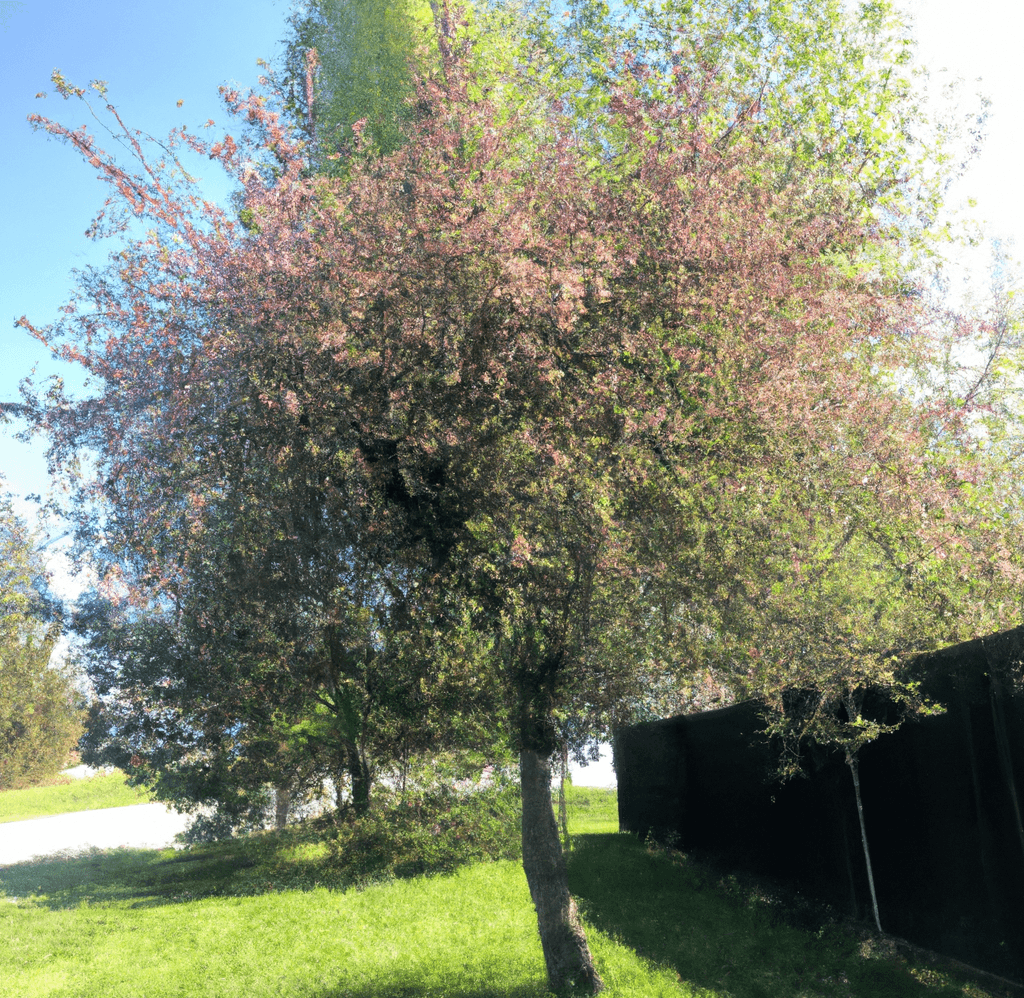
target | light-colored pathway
[
  {"x": 150, "y": 826},
  {"x": 140, "y": 826}
]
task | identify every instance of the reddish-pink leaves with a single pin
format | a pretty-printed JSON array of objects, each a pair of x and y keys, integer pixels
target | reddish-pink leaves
[{"x": 564, "y": 339}]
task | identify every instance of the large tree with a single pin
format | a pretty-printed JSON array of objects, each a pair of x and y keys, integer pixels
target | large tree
[
  {"x": 827, "y": 88},
  {"x": 592, "y": 421}
]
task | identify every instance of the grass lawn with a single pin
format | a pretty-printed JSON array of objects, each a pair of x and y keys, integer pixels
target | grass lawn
[
  {"x": 260, "y": 917},
  {"x": 76, "y": 795},
  {"x": 590, "y": 810}
]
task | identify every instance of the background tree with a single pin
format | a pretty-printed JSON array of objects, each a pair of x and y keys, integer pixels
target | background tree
[
  {"x": 352, "y": 61},
  {"x": 40, "y": 704},
  {"x": 367, "y": 54},
  {"x": 280, "y": 662},
  {"x": 40, "y": 710}
]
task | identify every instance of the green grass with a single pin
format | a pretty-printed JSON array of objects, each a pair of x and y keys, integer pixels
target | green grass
[
  {"x": 729, "y": 941},
  {"x": 591, "y": 810},
  {"x": 265, "y": 916},
  {"x": 77, "y": 795}
]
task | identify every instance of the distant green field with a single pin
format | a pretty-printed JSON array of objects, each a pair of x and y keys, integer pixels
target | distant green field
[{"x": 80, "y": 795}]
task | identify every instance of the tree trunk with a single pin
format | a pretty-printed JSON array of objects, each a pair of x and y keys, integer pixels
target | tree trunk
[
  {"x": 359, "y": 778},
  {"x": 282, "y": 800},
  {"x": 566, "y": 954},
  {"x": 339, "y": 791},
  {"x": 851, "y": 761},
  {"x": 563, "y": 819}
]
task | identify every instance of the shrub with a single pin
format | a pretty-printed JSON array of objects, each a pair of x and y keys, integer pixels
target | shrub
[
  {"x": 207, "y": 828},
  {"x": 435, "y": 831},
  {"x": 40, "y": 711}
]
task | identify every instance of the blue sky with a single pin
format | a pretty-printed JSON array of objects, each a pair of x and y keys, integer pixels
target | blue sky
[{"x": 152, "y": 56}]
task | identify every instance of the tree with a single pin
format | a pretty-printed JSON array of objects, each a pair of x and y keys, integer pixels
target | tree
[
  {"x": 238, "y": 700},
  {"x": 829, "y": 90},
  {"x": 275, "y": 656},
  {"x": 40, "y": 706},
  {"x": 40, "y": 711},
  {"x": 350, "y": 66},
  {"x": 599, "y": 421},
  {"x": 363, "y": 71}
]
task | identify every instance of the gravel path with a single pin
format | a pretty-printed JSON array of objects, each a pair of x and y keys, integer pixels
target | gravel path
[{"x": 140, "y": 826}]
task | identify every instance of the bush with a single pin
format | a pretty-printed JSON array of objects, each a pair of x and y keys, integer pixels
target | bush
[
  {"x": 216, "y": 823},
  {"x": 40, "y": 712},
  {"x": 431, "y": 832},
  {"x": 207, "y": 828}
]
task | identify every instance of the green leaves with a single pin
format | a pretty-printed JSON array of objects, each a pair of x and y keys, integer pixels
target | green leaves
[{"x": 40, "y": 705}]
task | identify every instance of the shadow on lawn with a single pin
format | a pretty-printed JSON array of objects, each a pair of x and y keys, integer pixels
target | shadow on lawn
[
  {"x": 395, "y": 844},
  {"x": 145, "y": 878},
  {"x": 678, "y": 914},
  {"x": 150, "y": 877},
  {"x": 399, "y": 989}
]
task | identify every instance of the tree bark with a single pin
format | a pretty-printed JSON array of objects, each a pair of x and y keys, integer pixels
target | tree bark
[
  {"x": 359, "y": 778},
  {"x": 851, "y": 761},
  {"x": 339, "y": 791},
  {"x": 563, "y": 818},
  {"x": 282, "y": 801},
  {"x": 568, "y": 959}
]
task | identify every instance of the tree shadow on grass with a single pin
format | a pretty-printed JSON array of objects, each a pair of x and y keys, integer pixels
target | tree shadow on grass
[
  {"x": 153, "y": 877},
  {"x": 148, "y": 877},
  {"x": 384, "y": 988},
  {"x": 677, "y": 914}
]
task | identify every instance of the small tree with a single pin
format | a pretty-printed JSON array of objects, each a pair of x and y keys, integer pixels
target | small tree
[
  {"x": 41, "y": 711},
  {"x": 849, "y": 710},
  {"x": 40, "y": 706},
  {"x": 261, "y": 690}
]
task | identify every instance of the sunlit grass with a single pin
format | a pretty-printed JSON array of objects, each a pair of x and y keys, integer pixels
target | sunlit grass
[
  {"x": 163, "y": 923},
  {"x": 265, "y": 916},
  {"x": 78, "y": 795},
  {"x": 591, "y": 810}
]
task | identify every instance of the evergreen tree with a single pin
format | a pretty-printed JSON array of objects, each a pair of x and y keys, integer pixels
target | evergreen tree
[{"x": 40, "y": 706}]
